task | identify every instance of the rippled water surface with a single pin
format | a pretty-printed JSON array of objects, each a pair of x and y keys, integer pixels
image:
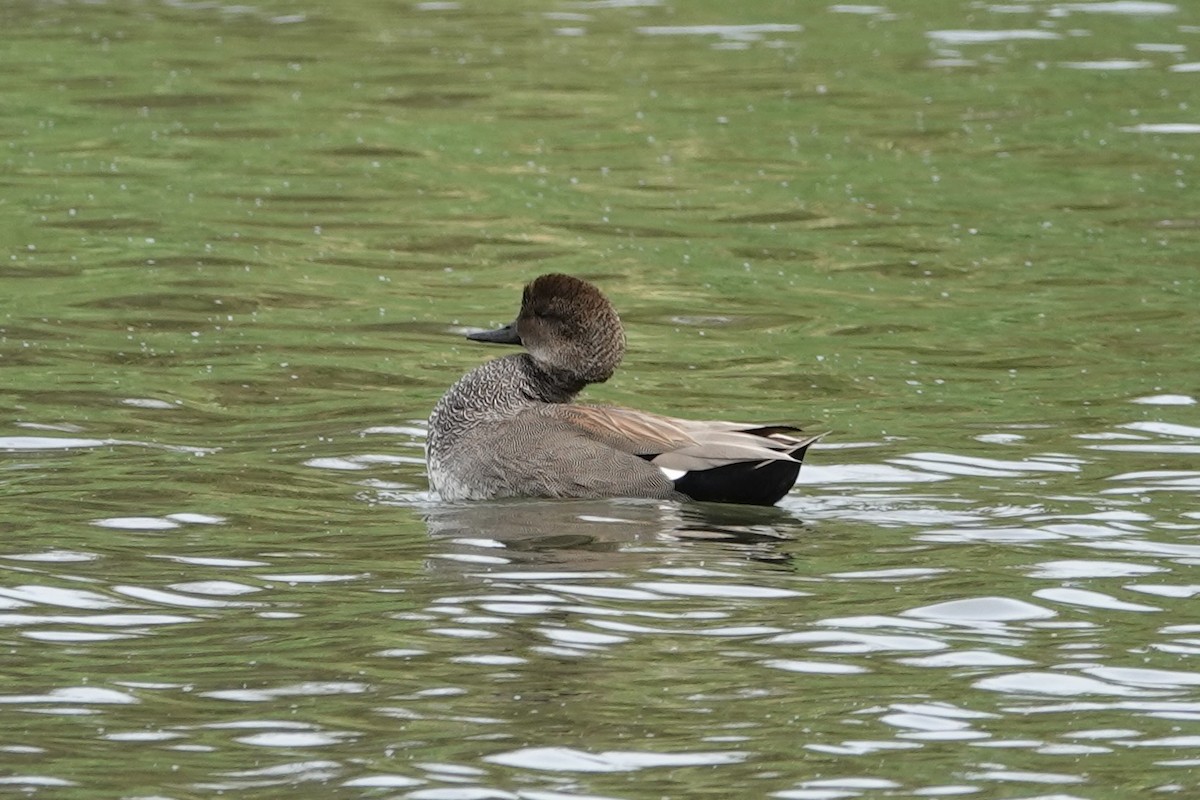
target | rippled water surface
[{"x": 241, "y": 243}]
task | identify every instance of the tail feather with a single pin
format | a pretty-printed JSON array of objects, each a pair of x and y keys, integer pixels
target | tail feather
[{"x": 762, "y": 483}]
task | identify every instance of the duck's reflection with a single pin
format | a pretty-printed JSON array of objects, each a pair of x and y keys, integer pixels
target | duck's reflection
[{"x": 600, "y": 534}]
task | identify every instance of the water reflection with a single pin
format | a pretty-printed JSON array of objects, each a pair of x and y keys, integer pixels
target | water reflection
[
  {"x": 1029, "y": 625},
  {"x": 597, "y": 534}
]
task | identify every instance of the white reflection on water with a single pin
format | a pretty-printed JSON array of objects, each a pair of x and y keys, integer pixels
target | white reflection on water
[
  {"x": 1054, "y": 683},
  {"x": 1165, "y": 400},
  {"x": 813, "y": 667},
  {"x": 967, "y": 658},
  {"x": 1163, "y": 127},
  {"x": 215, "y": 587},
  {"x": 986, "y": 36},
  {"x": 361, "y": 462},
  {"x": 158, "y": 523},
  {"x": 24, "y": 596},
  {"x": 136, "y": 621},
  {"x": 956, "y": 464},
  {"x": 306, "y": 689},
  {"x": 1126, "y": 7},
  {"x": 1164, "y": 428},
  {"x": 559, "y": 759},
  {"x": 65, "y": 443},
  {"x": 715, "y": 589},
  {"x": 854, "y": 8},
  {"x": 52, "y": 556},
  {"x": 1108, "y": 64},
  {"x": 136, "y": 523},
  {"x": 738, "y": 32},
  {"x": 167, "y": 598},
  {"x": 1146, "y": 677},
  {"x": 294, "y": 739},
  {"x": 1075, "y": 569},
  {"x": 832, "y": 788},
  {"x": 1089, "y": 599},
  {"x": 1163, "y": 590},
  {"x": 290, "y": 773},
  {"x": 34, "y": 780},
  {"x": 382, "y": 782},
  {"x": 981, "y": 610},
  {"x": 76, "y": 695},
  {"x": 851, "y": 642},
  {"x": 862, "y": 473}
]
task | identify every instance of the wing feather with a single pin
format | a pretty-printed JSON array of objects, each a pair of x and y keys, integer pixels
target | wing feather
[
  {"x": 681, "y": 444},
  {"x": 637, "y": 432}
]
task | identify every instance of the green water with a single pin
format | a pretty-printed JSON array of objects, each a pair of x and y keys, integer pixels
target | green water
[{"x": 241, "y": 243}]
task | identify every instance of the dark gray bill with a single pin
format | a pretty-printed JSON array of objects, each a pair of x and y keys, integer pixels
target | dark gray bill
[{"x": 506, "y": 335}]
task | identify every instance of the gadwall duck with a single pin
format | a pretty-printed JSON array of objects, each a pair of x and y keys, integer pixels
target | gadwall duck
[{"x": 508, "y": 428}]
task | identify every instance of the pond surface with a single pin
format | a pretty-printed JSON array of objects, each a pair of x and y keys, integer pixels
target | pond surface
[{"x": 241, "y": 244}]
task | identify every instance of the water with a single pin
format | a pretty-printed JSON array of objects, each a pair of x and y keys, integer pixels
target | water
[{"x": 242, "y": 243}]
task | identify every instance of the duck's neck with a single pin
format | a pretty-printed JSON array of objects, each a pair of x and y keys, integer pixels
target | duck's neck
[
  {"x": 548, "y": 385},
  {"x": 494, "y": 391}
]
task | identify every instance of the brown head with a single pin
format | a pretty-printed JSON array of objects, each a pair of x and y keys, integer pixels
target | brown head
[{"x": 568, "y": 327}]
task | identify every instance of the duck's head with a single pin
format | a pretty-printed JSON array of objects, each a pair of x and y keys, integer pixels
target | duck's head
[{"x": 568, "y": 327}]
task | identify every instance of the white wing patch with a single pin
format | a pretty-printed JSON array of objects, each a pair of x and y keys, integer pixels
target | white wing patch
[{"x": 672, "y": 474}]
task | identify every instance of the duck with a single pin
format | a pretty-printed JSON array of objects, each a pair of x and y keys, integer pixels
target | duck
[{"x": 511, "y": 427}]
